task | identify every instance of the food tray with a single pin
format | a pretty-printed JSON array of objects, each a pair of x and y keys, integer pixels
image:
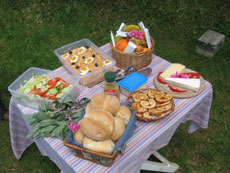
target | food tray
[
  {"x": 102, "y": 158},
  {"x": 35, "y": 102},
  {"x": 92, "y": 77},
  {"x": 154, "y": 117}
]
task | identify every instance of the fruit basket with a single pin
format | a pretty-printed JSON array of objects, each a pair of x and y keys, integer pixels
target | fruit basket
[
  {"x": 151, "y": 104},
  {"x": 132, "y": 45}
]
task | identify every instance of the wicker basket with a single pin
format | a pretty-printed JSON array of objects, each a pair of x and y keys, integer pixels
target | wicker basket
[
  {"x": 138, "y": 59},
  {"x": 99, "y": 158}
]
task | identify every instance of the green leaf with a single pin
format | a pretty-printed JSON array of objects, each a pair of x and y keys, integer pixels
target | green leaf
[
  {"x": 33, "y": 121},
  {"x": 47, "y": 122},
  {"x": 37, "y": 134},
  {"x": 63, "y": 123},
  {"x": 30, "y": 135},
  {"x": 42, "y": 116},
  {"x": 68, "y": 99},
  {"x": 35, "y": 128},
  {"x": 57, "y": 131},
  {"x": 77, "y": 115},
  {"x": 48, "y": 130},
  {"x": 30, "y": 116},
  {"x": 42, "y": 106}
]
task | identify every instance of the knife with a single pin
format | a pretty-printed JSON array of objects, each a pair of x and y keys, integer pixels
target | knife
[{"x": 145, "y": 72}]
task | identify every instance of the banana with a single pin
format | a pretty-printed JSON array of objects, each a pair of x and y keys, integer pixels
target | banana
[{"x": 131, "y": 27}]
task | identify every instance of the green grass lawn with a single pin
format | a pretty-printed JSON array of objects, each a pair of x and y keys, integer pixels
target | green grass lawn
[{"x": 31, "y": 30}]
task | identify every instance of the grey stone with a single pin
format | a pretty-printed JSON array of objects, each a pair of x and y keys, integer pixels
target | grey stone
[{"x": 209, "y": 43}]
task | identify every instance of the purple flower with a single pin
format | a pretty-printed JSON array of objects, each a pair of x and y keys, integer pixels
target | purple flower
[{"x": 74, "y": 127}]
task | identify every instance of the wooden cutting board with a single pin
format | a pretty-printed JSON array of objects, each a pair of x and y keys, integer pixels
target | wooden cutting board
[{"x": 187, "y": 94}]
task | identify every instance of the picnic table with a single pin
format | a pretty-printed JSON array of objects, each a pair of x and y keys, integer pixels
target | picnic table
[{"x": 145, "y": 141}]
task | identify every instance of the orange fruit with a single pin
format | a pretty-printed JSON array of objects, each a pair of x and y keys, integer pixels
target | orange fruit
[
  {"x": 145, "y": 49},
  {"x": 121, "y": 44},
  {"x": 139, "y": 48}
]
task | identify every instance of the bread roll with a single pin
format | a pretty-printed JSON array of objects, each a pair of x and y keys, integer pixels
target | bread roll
[
  {"x": 124, "y": 113},
  {"x": 105, "y": 146},
  {"x": 78, "y": 136},
  {"x": 119, "y": 128},
  {"x": 88, "y": 108},
  {"x": 97, "y": 124},
  {"x": 106, "y": 102}
]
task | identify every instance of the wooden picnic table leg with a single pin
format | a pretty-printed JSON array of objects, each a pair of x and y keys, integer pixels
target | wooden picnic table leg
[{"x": 165, "y": 166}]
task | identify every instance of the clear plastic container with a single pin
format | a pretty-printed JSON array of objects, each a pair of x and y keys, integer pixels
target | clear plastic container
[
  {"x": 92, "y": 77},
  {"x": 36, "y": 101}
]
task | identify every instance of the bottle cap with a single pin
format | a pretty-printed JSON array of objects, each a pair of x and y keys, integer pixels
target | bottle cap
[{"x": 110, "y": 76}]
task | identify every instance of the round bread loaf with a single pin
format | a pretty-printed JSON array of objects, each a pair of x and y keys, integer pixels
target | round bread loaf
[
  {"x": 106, "y": 102},
  {"x": 105, "y": 146},
  {"x": 88, "y": 107},
  {"x": 124, "y": 113},
  {"x": 78, "y": 136},
  {"x": 119, "y": 128},
  {"x": 97, "y": 124}
]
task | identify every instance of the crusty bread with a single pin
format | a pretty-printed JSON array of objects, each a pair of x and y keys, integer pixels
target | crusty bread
[
  {"x": 97, "y": 124},
  {"x": 119, "y": 128},
  {"x": 124, "y": 113},
  {"x": 78, "y": 136},
  {"x": 106, "y": 102},
  {"x": 105, "y": 146},
  {"x": 88, "y": 107}
]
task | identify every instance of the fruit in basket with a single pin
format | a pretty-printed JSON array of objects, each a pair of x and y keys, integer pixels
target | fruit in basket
[
  {"x": 131, "y": 27},
  {"x": 117, "y": 38},
  {"x": 139, "y": 48},
  {"x": 145, "y": 49},
  {"x": 122, "y": 44}
]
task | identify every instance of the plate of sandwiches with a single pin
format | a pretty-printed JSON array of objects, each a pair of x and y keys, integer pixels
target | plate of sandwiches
[
  {"x": 151, "y": 104},
  {"x": 179, "y": 81}
]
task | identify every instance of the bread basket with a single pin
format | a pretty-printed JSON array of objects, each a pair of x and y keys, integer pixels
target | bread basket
[
  {"x": 138, "y": 59},
  {"x": 102, "y": 158}
]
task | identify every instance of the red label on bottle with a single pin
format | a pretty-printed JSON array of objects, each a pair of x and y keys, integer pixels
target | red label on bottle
[{"x": 111, "y": 92}]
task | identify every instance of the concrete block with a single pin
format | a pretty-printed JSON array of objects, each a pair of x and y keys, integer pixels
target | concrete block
[{"x": 209, "y": 43}]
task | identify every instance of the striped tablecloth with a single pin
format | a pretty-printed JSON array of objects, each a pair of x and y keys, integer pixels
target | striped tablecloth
[{"x": 146, "y": 139}]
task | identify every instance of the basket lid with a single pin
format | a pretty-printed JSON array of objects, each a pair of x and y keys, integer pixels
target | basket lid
[{"x": 133, "y": 81}]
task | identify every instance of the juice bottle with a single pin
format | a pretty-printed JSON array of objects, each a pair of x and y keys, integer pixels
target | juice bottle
[{"x": 111, "y": 86}]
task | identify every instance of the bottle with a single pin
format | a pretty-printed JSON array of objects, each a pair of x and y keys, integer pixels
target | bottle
[{"x": 111, "y": 86}]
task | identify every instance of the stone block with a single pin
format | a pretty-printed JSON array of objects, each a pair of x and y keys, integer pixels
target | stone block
[{"x": 209, "y": 43}]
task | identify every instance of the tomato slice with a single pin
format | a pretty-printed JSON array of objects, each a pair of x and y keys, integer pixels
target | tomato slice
[
  {"x": 193, "y": 75},
  {"x": 64, "y": 85},
  {"x": 61, "y": 80},
  {"x": 38, "y": 92},
  {"x": 52, "y": 85},
  {"x": 176, "y": 89},
  {"x": 52, "y": 97},
  {"x": 159, "y": 79},
  {"x": 52, "y": 81}
]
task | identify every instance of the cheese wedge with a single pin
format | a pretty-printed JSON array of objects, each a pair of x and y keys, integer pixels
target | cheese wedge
[
  {"x": 173, "y": 69},
  {"x": 190, "y": 84}
]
